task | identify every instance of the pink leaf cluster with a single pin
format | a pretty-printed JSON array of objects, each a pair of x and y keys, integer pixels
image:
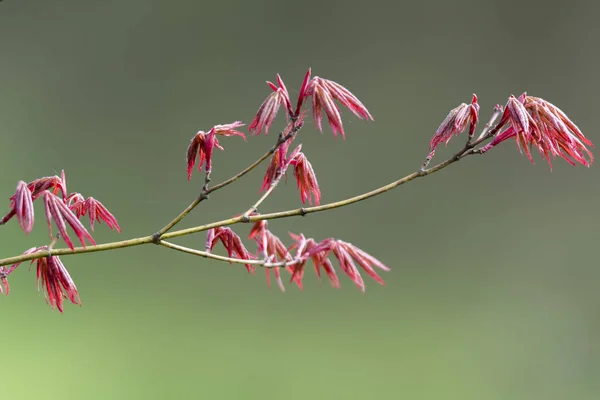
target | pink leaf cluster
[
  {"x": 456, "y": 122},
  {"x": 304, "y": 173},
  {"x": 348, "y": 256},
  {"x": 324, "y": 94},
  {"x": 54, "y": 279},
  {"x": 202, "y": 144},
  {"x": 270, "y": 107},
  {"x": 535, "y": 123},
  {"x": 232, "y": 243},
  {"x": 61, "y": 214},
  {"x": 63, "y": 210},
  {"x": 21, "y": 203},
  {"x": 92, "y": 207}
]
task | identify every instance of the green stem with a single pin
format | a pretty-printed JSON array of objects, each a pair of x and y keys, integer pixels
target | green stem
[{"x": 205, "y": 254}]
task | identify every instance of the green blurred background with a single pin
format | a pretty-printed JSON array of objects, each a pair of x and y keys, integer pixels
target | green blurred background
[{"x": 493, "y": 292}]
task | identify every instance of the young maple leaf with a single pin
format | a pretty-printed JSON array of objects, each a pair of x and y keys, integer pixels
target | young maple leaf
[
  {"x": 232, "y": 243},
  {"x": 270, "y": 107},
  {"x": 324, "y": 93},
  {"x": 59, "y": 212}
]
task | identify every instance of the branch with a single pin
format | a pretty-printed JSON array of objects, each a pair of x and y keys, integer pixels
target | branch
[
  {"x": 464, "y": 152},
  {"x": 533, "y": 122}
]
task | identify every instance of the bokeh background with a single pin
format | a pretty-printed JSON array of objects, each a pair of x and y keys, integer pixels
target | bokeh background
[{"x": 493, "y": 292}]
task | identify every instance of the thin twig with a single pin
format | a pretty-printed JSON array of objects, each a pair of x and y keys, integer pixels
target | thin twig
[
  {"x": 486, "y": 132},
  {"x": 267, "y": 193},
  {"x": 205, "y": 254},
  {"x": 208, "y": 190},
  {"x": 275, "y": 182}
]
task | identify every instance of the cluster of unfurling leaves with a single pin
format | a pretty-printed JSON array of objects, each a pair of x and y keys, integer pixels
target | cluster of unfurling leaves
[
  {"x": 531, "y": 121},
  {"x": 63, "y": 209},
  {"x": 324, "y": 94}
]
